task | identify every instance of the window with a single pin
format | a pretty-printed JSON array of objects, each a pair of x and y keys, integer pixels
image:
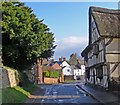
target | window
[
  {"x": 68, "y": 70},
  {"x": 96, "y": 49},
  {"x": 86, "y": 57}
]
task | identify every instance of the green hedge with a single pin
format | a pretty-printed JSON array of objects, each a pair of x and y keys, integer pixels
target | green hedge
[
  {"x": 54, "y": 74},
  {"x": 51, "y": 74},
  {"x": 46, "y": 73}
]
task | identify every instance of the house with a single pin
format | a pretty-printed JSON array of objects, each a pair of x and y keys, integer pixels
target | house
[
  {"x": 44, "y": 68},
  {"x": 66, "y": 68},
  {"x": 55, "y": 65},
  {"x": 82, "y": 68},
  {"x": 102, "y": 54},
  {"x": 65, "y": 64},
  {"x": 76, "y": 71},
  {"x": 79, "y": 71}
]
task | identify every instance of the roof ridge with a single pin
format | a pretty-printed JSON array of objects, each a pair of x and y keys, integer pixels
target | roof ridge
[{"x": 104, "y": 10}]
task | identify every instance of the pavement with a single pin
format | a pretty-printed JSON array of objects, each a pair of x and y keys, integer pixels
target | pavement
[{"x": 102, "y": 96}]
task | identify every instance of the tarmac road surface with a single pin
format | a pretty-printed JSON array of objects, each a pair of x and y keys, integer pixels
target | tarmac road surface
[{"x": 66, "y": 93}]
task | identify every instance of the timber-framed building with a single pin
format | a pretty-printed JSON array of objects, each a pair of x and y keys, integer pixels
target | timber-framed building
[{"x": 102, "y": 55}]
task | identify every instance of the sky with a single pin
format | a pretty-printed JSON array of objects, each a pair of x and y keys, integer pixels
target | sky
[{"x": 69, "y": 23}]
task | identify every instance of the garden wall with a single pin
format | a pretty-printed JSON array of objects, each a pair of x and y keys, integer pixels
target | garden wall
[
  {"x": 7, "y": 78},
  {"x": 50, "y": 80}
]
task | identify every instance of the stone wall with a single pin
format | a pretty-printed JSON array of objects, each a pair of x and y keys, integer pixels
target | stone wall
[
  {"x": 7, "y": 78},
  {"x": 4, "y": 78}
]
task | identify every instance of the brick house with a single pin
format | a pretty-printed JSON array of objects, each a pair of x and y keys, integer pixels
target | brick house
[{"x": 55, "y": 65}]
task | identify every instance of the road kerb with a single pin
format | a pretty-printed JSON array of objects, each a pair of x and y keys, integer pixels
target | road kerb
[{"x": 91, "y": 95}]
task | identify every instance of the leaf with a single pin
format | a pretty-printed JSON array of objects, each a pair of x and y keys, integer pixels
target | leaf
[{"x": 25, "y": 37}]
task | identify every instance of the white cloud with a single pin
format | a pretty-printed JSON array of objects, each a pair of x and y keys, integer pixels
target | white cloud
[{"x": 69, "y": 45}]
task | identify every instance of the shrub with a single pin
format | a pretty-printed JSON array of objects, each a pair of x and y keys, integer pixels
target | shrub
[
  {"x": 24, "y": 81},
  {"x": 46, "y": 73},
  {"x": 54, "y": 74}
]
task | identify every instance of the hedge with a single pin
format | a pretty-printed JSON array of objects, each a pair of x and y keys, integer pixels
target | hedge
[
  {"x": 54, "y": 74},
  {"x": 51, "y": 74},
  {"x": 46, "y": 73}
]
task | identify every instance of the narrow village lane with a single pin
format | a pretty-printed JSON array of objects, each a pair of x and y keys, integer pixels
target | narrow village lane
[
  {"x": 72, "y": 94},
  {"x": 64, "y": 93}
]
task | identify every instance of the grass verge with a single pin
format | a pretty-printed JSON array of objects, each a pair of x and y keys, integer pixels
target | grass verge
[
  {"x": 30, "y": 88},
  {"x": 13, "y": 95},
  {"x": 17, "y": 94},
  {"x": 67, "y": 81}
]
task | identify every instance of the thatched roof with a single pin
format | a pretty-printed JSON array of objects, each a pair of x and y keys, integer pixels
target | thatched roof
[{"x": 107, "y": 21}]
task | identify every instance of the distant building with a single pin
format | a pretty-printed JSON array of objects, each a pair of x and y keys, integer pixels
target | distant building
[
  {"x": 66, "y": 68},
  {"x": 79, "y": 70},
  {"x": 56, "y": 65},
  {"x": 76, "y": 71},
  {"x": 102, "y": 53}
]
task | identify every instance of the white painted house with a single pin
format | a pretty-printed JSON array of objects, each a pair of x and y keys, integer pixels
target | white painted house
[
  {"x": 79, "y": 71},
  {"x": 66, "y": 68},
  {"x": 82, "y": 69}
]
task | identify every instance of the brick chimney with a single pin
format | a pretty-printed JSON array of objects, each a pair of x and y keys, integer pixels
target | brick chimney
[
  {"x": 60, "y": 59},
  {"x": 52, "y": 60},
  {"x": 78, "y": 61},
  {"x": 64, "y": 59}
]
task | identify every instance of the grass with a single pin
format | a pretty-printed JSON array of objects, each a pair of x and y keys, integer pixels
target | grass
[
  {"x": 17, "y": 94},
  {"x": 13, "y": 95},
  {"x": 69, "y": 81},
  {"x": 30, "y": 88}
]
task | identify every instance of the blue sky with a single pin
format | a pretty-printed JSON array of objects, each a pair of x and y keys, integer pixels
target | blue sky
[{"x": 69, "y": 23}]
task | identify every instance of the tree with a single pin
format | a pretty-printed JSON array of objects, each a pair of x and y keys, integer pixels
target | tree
[
  {"x": 25, "y": 38},
  {"x": 73, "y": 59}
]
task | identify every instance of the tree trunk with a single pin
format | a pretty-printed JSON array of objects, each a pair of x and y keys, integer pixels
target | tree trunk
[
  {"x": 40, "y": 76},
  {"x": 62, "y": 77}
]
